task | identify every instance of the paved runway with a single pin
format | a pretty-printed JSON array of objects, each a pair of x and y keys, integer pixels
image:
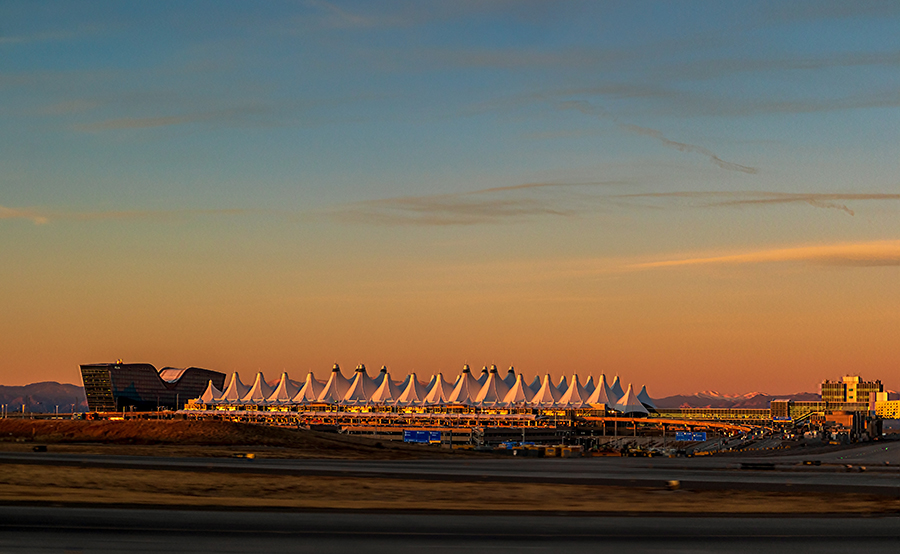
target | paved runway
[
  {"x": 75, "y": 530},
  {"x": 694, "y": 473}
]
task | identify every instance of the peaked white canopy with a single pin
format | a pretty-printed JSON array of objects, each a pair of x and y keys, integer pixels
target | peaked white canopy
[
  {"x": 285, "y": 391},
  {"x": 310, "y": 390},
  {"x": 260, "y": 391},
  {"x": 235, "y": 389},
  {"x": 362, "y": 387},
  {"x": 616, "y": 387},
  {"x": 629, "y": 403},
  {"x": 645, "y": 398},
  {"x": 602, "y": 394},
  {"x": 336, "y": 387},
  {"x": 386, "y": 393},
  {"x": 535, "y": 384},
  {"x": 211, "y": 394},
  {"x": 519, "y": 393},
  {"x": 510, "y": 378},
  {"x": 562, "y": 386},
  {"x": 575, "y": 396},
  {"x": 493, "y": 391},
  {"x": 439, "y": 392},
  {"x": 402, "y": 384},
  {"x": 378, "y": 378},
  {"x": 466, "y": 389},
  {"x": 547, "y": 396},
  {"x": 414, "y": 393},
  {"x": 482, "y": 379},
  {"x": 589, "y": 384}
]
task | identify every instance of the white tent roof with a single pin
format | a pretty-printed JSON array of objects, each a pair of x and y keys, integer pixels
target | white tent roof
[
  {"x": 361, "y": 388},
  {"x": 260, "y": 391},
  {"x": 645, "y": 398},
  {"x": 602, "y": 394},
  {"x": 616, "y": 387},
  {"x": 493, "y": 391},
  {"x": 439, "y": 392},
  {"x": 589, "y": 384},
  {"x": 336, "y": 387},
  {"x": 386, "y": 393},
  {"x": 310, "y": 390},
  {"x": 562, "y": 386},
  {"x": 519, "y": 393},
  {"x": 575, "y": 396},
  {"x": 629, "y": 404},
  {"x": 211, "y": 394},
  {"x": 547, "y": 395},
  {"x": 378, "y": 378},
  {"x": 510, "y": 378},
  {"x": 285, "y": 391},
  {"x": 414, "y": 393},
  {"x": 402, "y": 384},
  {"x": 482, "y": 379},
  {"x": 235, "y": 389},
  {"x": 535, "y": 384},
  {"x": 466, "y": 389}
]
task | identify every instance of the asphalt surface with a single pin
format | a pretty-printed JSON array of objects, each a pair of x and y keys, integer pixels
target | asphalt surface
[
  {"x": 76, "y": 530},
  {"x": 782, "y": 474}
]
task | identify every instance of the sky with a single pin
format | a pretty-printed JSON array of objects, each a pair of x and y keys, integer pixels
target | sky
[{"x": 690, "y": 195}]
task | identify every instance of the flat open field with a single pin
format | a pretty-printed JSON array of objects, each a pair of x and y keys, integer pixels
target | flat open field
[{"x": 98, "y": 486}]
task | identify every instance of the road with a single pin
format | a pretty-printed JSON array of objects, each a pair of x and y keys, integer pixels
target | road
[
  {"x": 788, "y": 473},
  {"x": 75, "y": 530}
]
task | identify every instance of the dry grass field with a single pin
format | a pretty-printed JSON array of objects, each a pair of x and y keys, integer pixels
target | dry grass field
[
  {"x": 201, "y": 438},
  {"x": 74, "y": 485}
]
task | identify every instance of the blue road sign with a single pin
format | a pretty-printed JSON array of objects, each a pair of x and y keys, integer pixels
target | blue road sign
[
  {"x": 688, "y": 436},
  {"x": 421, "y": 436}
]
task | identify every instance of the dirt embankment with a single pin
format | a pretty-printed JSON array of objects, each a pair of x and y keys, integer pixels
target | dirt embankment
[{"x": 185, "y": 437}]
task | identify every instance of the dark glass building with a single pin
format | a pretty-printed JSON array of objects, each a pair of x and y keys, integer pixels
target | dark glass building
[{"x": 141, "y": 387}]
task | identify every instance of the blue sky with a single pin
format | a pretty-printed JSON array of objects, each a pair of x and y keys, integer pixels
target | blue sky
[{"x": 388, "y": 159}]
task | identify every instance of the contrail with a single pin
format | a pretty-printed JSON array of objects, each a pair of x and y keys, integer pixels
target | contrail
[
  {"x": 685, "y": 147},
  {"x": 588, "y": 109}
]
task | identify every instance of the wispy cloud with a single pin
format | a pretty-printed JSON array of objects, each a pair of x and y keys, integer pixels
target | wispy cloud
[
  {"x": 491, "y": 205},
  {"x": 231, "y": 115},
  {"x": 836, "y": 201},
  {"x": 860, "y": 254},
  {"x": 685, "y": 147},
  {"x": 501, "y": 204},
  {"x": 332, "y": 16},
  {"x": 708, "y": 69},
  {"x": 44, "y": 216},
  {"x": 589, "y": 109},
  {"x": 13, "y": 213},
  {"x": 46, "y": 36}
]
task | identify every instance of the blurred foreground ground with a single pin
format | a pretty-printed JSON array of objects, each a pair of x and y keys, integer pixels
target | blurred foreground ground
[{"x": 104, "y": 463}]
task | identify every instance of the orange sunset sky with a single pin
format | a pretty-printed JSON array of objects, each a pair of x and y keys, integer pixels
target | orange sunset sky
[{"x": 689, "y": 198}]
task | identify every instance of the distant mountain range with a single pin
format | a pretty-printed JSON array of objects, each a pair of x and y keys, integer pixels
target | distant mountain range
[
  {"x": 713, "y": 399},
  {"x": 44, "y": 397}
]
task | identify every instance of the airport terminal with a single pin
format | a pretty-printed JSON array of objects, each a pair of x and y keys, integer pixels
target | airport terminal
[{"x": 488, "y": 408}]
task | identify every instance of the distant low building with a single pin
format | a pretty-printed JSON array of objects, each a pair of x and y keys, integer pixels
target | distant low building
[
  {"x": 886, "y": 409},
  {"x": 141, "y": 387}
]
